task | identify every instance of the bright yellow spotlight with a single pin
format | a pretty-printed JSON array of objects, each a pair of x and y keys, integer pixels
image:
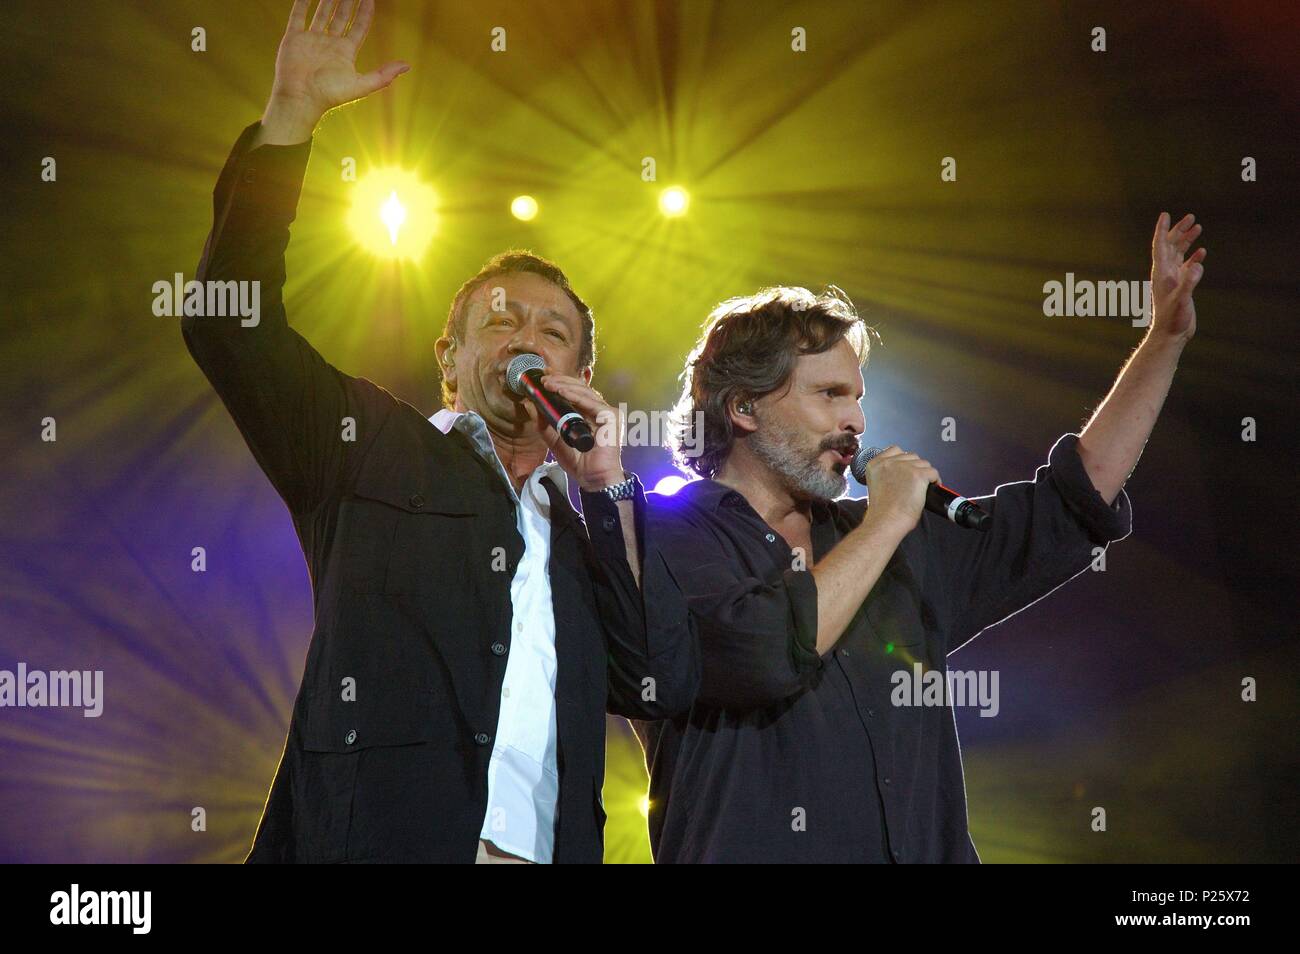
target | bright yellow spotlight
[
  {"x": 394, "y": 214},
  {"x": 524, "y": 208},
  {"x": 674, "y": 201},
  {"x": 643, "y": 805}
]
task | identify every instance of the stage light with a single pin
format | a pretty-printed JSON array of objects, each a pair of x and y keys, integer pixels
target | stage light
[
  {"x": 643, "y": 805},
  {"x": 674, "y": 201},
  {"x": 393, "y": 214},
  {"x": 524, "y": 208},
  {"x": 670, "y": 485}
]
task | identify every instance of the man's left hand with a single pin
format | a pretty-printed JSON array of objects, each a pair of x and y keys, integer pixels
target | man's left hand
[
  {"x": 602, "y": 466},
  {"x": 1174, "y": 278}
]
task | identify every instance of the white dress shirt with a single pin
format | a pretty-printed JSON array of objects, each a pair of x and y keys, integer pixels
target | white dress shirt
[{"x": 523, "y": 777}]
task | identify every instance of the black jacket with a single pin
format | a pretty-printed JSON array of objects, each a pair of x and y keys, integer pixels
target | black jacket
[{"x": 404, "y": 530}]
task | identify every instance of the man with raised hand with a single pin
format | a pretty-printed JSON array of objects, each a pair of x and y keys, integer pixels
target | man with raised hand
[
  {"x": 811, "y": 610},
  {"x": 471, "y": 629}
]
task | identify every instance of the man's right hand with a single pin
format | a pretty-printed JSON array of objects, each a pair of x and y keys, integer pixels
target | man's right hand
[
  {"x": 896, "y": 483},
  {"x": 315, "y": 69}
]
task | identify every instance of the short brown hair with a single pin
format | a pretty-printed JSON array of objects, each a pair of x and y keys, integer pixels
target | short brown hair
[
  {"x": 505, "y": 263},
  {"x": 747, "y": 350}
]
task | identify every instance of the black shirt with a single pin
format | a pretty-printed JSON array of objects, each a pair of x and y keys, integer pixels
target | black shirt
[{"x": 794, "y": 757}]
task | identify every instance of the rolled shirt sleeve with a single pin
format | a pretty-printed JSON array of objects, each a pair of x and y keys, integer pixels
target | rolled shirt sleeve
[
  {"x": 1043, "y": 533},
  {"x": 756, "y": 633},
  {"x": 1102, "y": 522}
]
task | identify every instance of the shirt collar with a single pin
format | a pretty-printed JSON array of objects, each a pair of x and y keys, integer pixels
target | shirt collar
[
  {"x": 708, "y": 494},
  {"x": 713, "y": 496},
  {"x": 472, "y": 425}
]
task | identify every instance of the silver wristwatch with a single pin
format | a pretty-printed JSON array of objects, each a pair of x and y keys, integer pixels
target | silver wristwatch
[{"x": 625, "y": 490}]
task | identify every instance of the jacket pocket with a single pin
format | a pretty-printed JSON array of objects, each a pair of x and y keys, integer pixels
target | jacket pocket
[
  {"x": 387, "y": 521},
  {"x": 418, "y": 496},
  {"x": 396, "y": 715},
  {"x": 432, "y": 528},
  {"x": 364, "y": 774}
]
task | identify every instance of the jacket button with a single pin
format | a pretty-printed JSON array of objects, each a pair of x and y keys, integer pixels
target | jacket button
[
  {"x": 889, "y": 781},
  {"x": 771, "y": 538},
  {"x": 351, "y": 736},
  {"x": 498, "y": 649},
  {"x": 482, "y": 738},
  {"x": 416, "y": 501},
  {"x": 608, "y": 523}
]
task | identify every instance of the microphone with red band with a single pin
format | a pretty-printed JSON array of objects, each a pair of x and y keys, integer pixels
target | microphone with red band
[
  {"x": 524, "y": 376},
  {"x": 938, "y": 498}
]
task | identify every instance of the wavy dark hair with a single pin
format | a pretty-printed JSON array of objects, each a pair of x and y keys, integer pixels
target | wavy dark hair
[
  {"x": 747, "y": 350},
  {"x": 506, "y": 263}
]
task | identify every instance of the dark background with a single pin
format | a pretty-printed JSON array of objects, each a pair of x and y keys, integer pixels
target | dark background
[{"x": 1121, "y": 690}]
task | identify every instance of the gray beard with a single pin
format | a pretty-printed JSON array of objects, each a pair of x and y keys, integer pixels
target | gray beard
[{"x": 782, "y": 450}]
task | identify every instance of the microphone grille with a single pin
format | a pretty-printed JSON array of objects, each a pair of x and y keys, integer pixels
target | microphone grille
[
  {"x": 519, "y": 366},
  {"x": 860, "y": 460}
]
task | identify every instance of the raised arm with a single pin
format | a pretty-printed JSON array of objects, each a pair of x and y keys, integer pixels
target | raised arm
[
  {"x": 1112, "y": 441},
  {"x": 289, "y": 404},
  {"x": 315, "y": 69}
]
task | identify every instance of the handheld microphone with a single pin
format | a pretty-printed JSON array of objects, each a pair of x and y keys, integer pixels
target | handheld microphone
[
  {"x": 938, "y": 498},
  {"x": 524, "y": 375}
]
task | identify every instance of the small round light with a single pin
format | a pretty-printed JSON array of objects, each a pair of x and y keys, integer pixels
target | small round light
[
  {"x": 674, "y": 201},
  {"x": 524, "y": 208},
  {"x": 670, "y": 485}
]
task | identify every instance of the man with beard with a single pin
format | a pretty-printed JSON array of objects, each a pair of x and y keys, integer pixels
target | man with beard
[{"x": 807, "y": 606}]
